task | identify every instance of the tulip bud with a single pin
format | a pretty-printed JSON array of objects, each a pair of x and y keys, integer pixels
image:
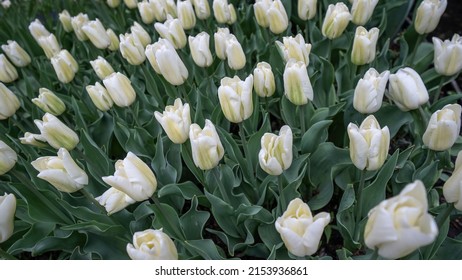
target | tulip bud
[
  {"x": 36, "y": 140},
  {"x": 220, "y": 37},
  {"x": 235, "y": 53},
  {"x": 202, "y": 8},
  {"x": 336, "y": 20},
  {"x": 9, "y": 103},
  {"x": 61, "y": 171},
  {"x": 295, "y": 47},
  {"x": 263, "y": 82},
  {"x": 307, "y": 9},
  {"x": 65, "y": 66},
  {"x": 200, "y": 49},
  {"x": 299, "y": 230},
  {"x": 37, "y": 30},
  {"x": 166, "y": 61},
  {"x": 8, "y": 72},
  {"x": 364, "y": 45},
  {"x": 114, "y": 40},
  {"x": 452, "y": 188},
  {"x": 401, "y": 224},
  {"x": 277, "y": 17},
  {"x": 428, "y": 15},
  {"x": 152, "y": 245},
  {"x": 186, "y": 14},
  {"x": 172, "y": 30},
  {"x": 77, "y": 22},
  {"x": 163, "y": 8},
  {"x": 101, "y": 67},
  {"x": 7, "y": 208},
  {"x": 260, "y": 9},
  {"x": 275, "y": 155},
  {"x": 368, "y": 95},
  {"x": 113, "y": 3},
  {"x": 49, "y": 45},
  {"x": 49, "y": 102},
  {"x": 368, "y": 144},
  {"x": 114, "y": 200},
  {"x": 362, "y": 11},
  {"x": 132, "y": 49},
  {"x": 96, "y": 32},
  {"x": 16, "y": 54},
  {"x": 65, "y": 19},
  {"x": 8, "y": 158},
  {"x": 100, "y": 97},
  {"x": 56, "y": 133},
  {"x": 142, "y": 34},
  {"x": 297, "y": 84},
  {"x": 6, "y": 4},
  {"x": 176, "y": 121},
  {"x": 120, "y": 89},
  {"x": 235, "y": 98},
  {"x": 447, "y": 55},
  {"x": 224, "y": 13},
  {"x": 207, "y": 150},
  {"x": 131, "y": 4},
  {"x": 146, "y": 10},
  {"x": 133, "y": 177},
  {"x": 443, "y": 128},
  {"x": 407, "y": 90}
]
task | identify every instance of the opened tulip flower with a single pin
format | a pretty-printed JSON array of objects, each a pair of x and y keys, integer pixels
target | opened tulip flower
[
  {"x": 96, "y": 32},
  {"x": 65, "y": 19},
  {"x": 368, "y": 144},
  {"x": 447, "y": 58},
  {"x": 364, "y": 45},
  {"x": 16, "y": 54},
  {"x": 143, "y": 36},
  {"x": 132, "y": 49},
  {"x": 295, "y": 48},
  {"x": 185, "y": 12},
  {"x": 401, "y": 224},
  {"x": 114, "y": 200},
  {"x": 407, "y": 90},
  {"x": 452, "y": 188},
  {"x": 173, "y": 31},
  {"x": 77, "y": 22},
  {"x": 7, "y": 210},
  {"x": 200, "y": 50},
  {"x": 336, "y": 20},
  {"x": 202, "y": 8},
  {"x": 65, "y": 66},
  {"x": 9, "y": 103},
  {"x": 306, "y": 9},
  {"x": 133, "y": 177},
  {"x": 275, "y": 154},
  {"x": 8, "y": 72},
  {"x": 362, "y": 11},
  {"x": 263, "y": 80},
  {"x": 176, "y": 121},
  {"x": 299, "y": 230},
  {"x": 224, "y": 13},
  {"x": 207, "y": 150},
  {"x": 8, "y": 158},
  {"x": 369, "y": 91},
  {"x": 100, "y": 97},
  {"x": 152, "y": 244},
  {"x": 297, "y": 84},
  {"x": 49, "y": 102},
  {"x": 443, "y": 128},
  {"x": 61, "y": 171},
  {"x": 56, "y": 133},
  {"x": 32, "y": 139},
  {"x": 428, "y": 15},
  {"x": 235, "y": 98},
  {"x": 101, "y": 67},
  {"x": 120, "y": 89}
]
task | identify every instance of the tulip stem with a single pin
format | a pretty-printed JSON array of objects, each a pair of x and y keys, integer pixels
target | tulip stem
[
  {"x": 302, "y": 119},
  {"x": 246, "y": 152},
  {"x": 359, "y": 205},
  {"x": 375, "y": 255},
  {"x": 267, "y": 105},
  {"x": 4, "y": 255},
  {"x": 282, "y": 199},
  {"x": 414, "y": 52},
  {"x": 445, "y": 215},
  {"x": 438, "y": 90}
]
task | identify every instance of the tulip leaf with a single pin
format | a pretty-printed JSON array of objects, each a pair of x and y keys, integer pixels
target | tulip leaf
[
  {"x": 393, "y": 118},
  {"x": 193, "y": 221},
  {"x": 451, "y": 249},
  {"x": 450, "y": 99},
  {"x": 107, "y": 247},
  {"x": 97, "y": 162},
  {"x": 429, "y": 251},
  {"x": 314, "y": 136},
  {"x": 37, "y": 232},
  {"x": 254, "y": 142},
  {"x": 167, "y": 218},
  {"x": 165, "y": 173},
  {"x": 428, "y": 174},
  {"x": 67, "y": 243},
  {"x": 95, "y": 227},
  {"x": 346, "y": 220},
  {"x": 287, "y": 112},
  {"x": 206, "y": 248},
  {"x": 186, "y": 189},
  {"x": 224, "y": 215}
]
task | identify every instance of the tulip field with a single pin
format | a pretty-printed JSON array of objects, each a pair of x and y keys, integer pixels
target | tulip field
[{"x": 225, "y": 129}]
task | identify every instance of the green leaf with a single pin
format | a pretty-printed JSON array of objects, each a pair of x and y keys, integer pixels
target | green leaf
[
  {"x": 269, "y": 235},
  {"x": 95, "y": 227},
  {"x": 206, "y": 248},
  {"x": 224, "y": 215},
  {"x": 186, "y": 189},
  {"x": 98, "y": 163},
  {"x": 345, "y": 218},
  {"x": 193, "y": 221},
  {"x": 314, "y": 136},
  {"x": 37, "y": 232},
  {"x": 66, "y": 243},
  {"x": 169, "y": 221}
]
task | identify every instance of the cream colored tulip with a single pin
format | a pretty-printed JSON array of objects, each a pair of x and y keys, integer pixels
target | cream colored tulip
[
  {"x": 235, "y": 98},
  {"x": 452, "y": 188},
  {"x": 49, "y": 102},
  {"x": 448, "y": 55},
  {"x": 37, "y": 30},
  {"x": 61, "y": 171},
  {"x": 131, "y": 4},
  {"x": 369, "y": 91},
  {"x": 235, "y": 53},
  {"x": 200, "y": 49},
  {"x": 299, "y": 230},
  {"x": 152, "y": 244},
  {"x": 306, "y": 9},
  {"x": 186, "y": 14},
  {"x": 114, "y": 40},
  {"x": 56, "y": 133},
  {"x": 96, "y": 32},
  {"x": 202, "y": 8},
  {"x": 101, "y": 67},
  {"x": 77, "y": 22},
  {"x": 100, "y": 97},
  {"x": 364, "y": 45},
  {"x": 114, "y": 200},
  {"x": 9, "y": 103},
  {"x": 224, "y": 13},
  {"x": 220, "y": 37},
  {"x": 36, "y": 140},
  {"x": 401, "y": 224},
  {"x": 163, "y": 8},
  {"x": 275, "y": 154},
  {"x": 176, "y": 121},
  {"x": 428, "y": 15},
  {"x": 260, "y": 9},
  {"x": 141, "y": 33},
  {"x": 369, "y": 144},
  {"x": 133, "y": 177},
  {"x": 65, "y": 19},
  {"x": 146, "y": 10},
  {"x": 263, "y": 82},
  {"x": 407, "y": 90},
  {"x": 295, "y": 48},
  {"x": 8, "y": 209},
  {"x": 120, "y": 89},
  {"x": 113, "y": 3},
  {"x": 172, "y": 30},
  {"x": 132, "y": 49},
  {"x": 297, "y": 84},
  {"x": 8, "y": 72},
  {"x": 8, "y": 158},
  {"x": 443, "y": 128},
  {"x": 362, "y": 11},
  {"x": 17, "y": 55},
  {"x": 336, "y": 20},
  {"x": 49, "y": 45},
  {"x": 277, "y": 17},
  {"x": 207, "y": 150},
  {"x": 65, "y": 66}
]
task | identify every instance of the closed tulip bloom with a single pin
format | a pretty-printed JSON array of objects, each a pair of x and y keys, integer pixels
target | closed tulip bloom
[
  {"x": 65, "y": 66},
  {"x": 306, "y": 9},
  {"x": 8, "y": 72},
  {"x": 260, "y": 9},
  {"x": 295, "y": 47},
  {"x": 443, "y": 128},
  {"x": 448, "y": 55},
  {"x": 49, "y": 102},
  {"x": 114, "y": 40},
  {"x": 32, "y": 139},
  {"x": 172, "y": 30},
  {"x": 9, "y": 103},
  {"x": 146, "y": 10},
  {"x": 142, "y": 34},
  {"x": 275, "y": 154},
  {"x": 17, "y": 55},
  {"x": 364, "y": 45},
  {"x": 8, "y": 158},
  {"x": 163, "y": 8},
  {"x": 65, "y": 19},
  {"x": 452, "y": 188},
  {"x": 37, "y": 29},
  {"x": 49, "y": 45},
  {"x": 407, "y": 90},
  {"x": 132, "y": 49},
  {"x": 369, "y": 91},
  {"x": 362, "y": 11},
  {"x": 235, "y": 98},
  {"x": 96, "y": 32},
  {"x": 7, "y": 208},
  {"x": 263, "y": 82},
  {"x": 297, "y": 84},
  {"x": 207, "y": 150},
  {"x": 235, "y": 53},
  {"x": 101, "y": 67},
  {"x": 77, "y": 22},
  {"x": 299, "y": 230},
  {"x": 176, "y": 121},
  {"x": 113, "y": 3},
  {"x": 61, "y": 171},
  {"x": 220, "y": 37},
  {"x": 131, "y": 4},
  {"x": 56, "y": 133},
  {"x": 6, "y": 4},
  {"x": 224, "y": 13},
  {"x": 401, "y": 224},
  {"x": 186, "y": 14},
  {"x": 133, "y": 177},
  {"x": 120, "y": 89},
  {"x": 336, "y": 20},
  {"x": 277, "y": 17},
  {"x": 202, "y": 8},
  {"x": 100, "y": 97},
  {"x": 152, "y": 245},
  {"x": 114, "y": 200},
  {"x": 200, "y": 50},
  {"x": 428, "y": 15},
  {"x": 166, "y": 61},
  {"x": 368, "y": 144}
]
